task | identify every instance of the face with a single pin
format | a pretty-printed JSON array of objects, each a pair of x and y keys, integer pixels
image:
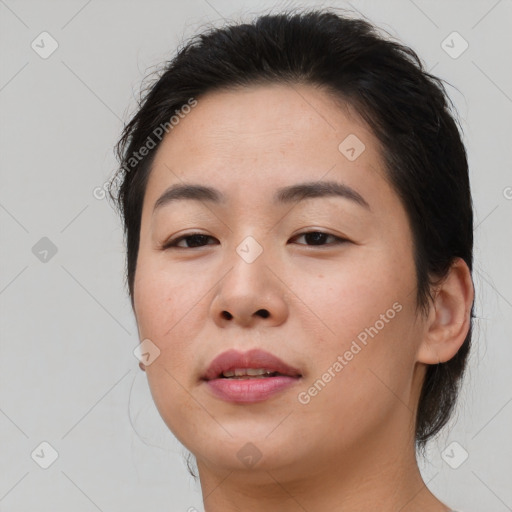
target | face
[{"x": 300, "y": 262}]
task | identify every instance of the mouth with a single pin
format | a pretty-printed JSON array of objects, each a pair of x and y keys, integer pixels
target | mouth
[
  {"x": 249, "y": 373},
  {"x": 256, "y": 364},
  {"x": 249, "y": 377}
]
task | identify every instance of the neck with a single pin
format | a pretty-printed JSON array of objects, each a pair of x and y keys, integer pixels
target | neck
[{"x": 369, "y": 476}]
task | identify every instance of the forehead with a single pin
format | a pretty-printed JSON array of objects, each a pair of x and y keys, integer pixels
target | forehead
[{"x": 262, "y": 137}]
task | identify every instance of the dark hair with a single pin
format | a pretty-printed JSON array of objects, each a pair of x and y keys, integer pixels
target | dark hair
[{"x": 407, "y": 109}]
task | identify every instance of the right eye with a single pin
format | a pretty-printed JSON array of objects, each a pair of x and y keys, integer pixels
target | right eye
[{"x": 192, "y": 240}]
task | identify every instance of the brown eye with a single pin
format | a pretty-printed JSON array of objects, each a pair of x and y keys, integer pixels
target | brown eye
[
  {"x": 318, "y": 238},
  {"x": 190, "y": 241},
  {"x": 195, "y": 240}
]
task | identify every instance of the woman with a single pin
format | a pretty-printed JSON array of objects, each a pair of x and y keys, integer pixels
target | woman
[{"x": 298, "y": 222}]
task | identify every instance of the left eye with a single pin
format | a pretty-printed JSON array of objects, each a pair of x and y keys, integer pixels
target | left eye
[
  {"x": 191, "y": 241},
  {"x": 318, "y": 238}
]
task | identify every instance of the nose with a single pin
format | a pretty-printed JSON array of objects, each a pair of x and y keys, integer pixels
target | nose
[{"x": 250, "y": 294}]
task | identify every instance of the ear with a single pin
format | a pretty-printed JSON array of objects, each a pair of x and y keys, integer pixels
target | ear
[{"x": 449, "y": 317}]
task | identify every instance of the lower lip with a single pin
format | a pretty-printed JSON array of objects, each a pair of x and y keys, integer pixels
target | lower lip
[{"x": 250, "y": 390}]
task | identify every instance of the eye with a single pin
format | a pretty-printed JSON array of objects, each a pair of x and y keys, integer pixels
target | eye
[
  {"x": 318, "y": 238},
  {"x": 191, "y": 241},
  {"x": 194, "y": 240}
]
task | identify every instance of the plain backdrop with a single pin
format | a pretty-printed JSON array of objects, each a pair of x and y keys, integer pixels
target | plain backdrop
[{"x": 68, "y": 375}]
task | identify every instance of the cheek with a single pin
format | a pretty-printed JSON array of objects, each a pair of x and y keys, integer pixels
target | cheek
[
  {"x": 166, "y": 309},
  {"x": 365, "y": 313},
  {"x": 183, "y": 416},
  {"x": 167, "y": 306},
  {"x": 343, "y": 299},
  {"x": 363, "y": 374},
  {"x": 161, "y": 297}
]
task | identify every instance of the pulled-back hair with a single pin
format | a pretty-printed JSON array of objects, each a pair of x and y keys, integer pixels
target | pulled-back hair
[{"x": 407, "y": 109}]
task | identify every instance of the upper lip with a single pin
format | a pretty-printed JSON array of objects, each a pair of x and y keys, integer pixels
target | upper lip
[{"x": 231, "y": 359}]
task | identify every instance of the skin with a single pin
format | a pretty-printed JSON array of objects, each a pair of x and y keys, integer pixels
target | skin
[{"x": 352, "y": 446}]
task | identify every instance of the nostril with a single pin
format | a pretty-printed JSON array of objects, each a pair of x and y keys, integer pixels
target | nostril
[{"x": 261, "y": 312}]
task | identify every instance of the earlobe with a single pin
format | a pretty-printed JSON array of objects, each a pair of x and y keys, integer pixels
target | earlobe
[{"x": 449, "y": 318}]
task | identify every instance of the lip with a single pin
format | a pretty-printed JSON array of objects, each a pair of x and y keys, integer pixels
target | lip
[{"x": 249, "y": 390}]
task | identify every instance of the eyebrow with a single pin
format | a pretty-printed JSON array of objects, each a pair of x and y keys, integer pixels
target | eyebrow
[
  {"x": 291, "y": 193},
  {"x": 312, "y": 189}
]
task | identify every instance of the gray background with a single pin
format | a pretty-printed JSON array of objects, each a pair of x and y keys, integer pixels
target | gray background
[{"x": 67, "y": 372}]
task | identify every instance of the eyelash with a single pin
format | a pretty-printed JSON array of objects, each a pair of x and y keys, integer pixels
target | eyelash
[{"x": 173, "y": 244}]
